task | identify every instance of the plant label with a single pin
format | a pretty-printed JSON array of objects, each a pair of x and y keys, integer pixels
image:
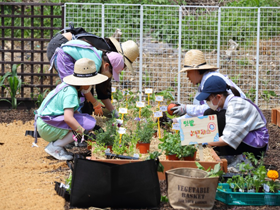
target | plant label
[
  {"x": 121, "y": 130},
  {"x": 266, "y": 188},
  {"x": 159, "y": 98},
  {"x": 198, "y": 130},
  {"x": 163, "y": 108},
  {"x": 140, "y": 104},
  {"x": 158, "y": 114},
  {"x": 125, "y": 92},
  {"x": 123, "y": 110},
  {"x": 119, "y": 121},
  {"x": 148, "y": 90},
  {"x": 176, "y": 126},
  {"x": 113, "y": 89}
]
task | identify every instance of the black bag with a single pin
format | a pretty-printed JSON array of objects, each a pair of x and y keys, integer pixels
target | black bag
[{"x": 100, "y": 184}]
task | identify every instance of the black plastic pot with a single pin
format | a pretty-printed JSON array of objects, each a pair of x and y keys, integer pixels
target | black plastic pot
[{"x": 62, "y": 191}]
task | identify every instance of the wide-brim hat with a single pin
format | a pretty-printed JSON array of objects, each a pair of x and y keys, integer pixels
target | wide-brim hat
[
  {"x": 195, "y": 60},
  {"x": 128, "y": 49},
  {"x": 84, "y": 74}
]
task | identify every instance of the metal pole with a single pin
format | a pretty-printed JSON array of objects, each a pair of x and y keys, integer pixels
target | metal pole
[
  {"x": 103, "y": 21},
  {"x": 179, "y": 55},
  {"x": 257, "y": 56},
  {"x": 219, "y": 38},
  {"x": 141, "y": 52}
]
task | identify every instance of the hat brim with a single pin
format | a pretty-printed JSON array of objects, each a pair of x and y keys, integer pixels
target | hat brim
[
  {"x": 116, "y": 76},
  {"x": 84, "y": 81},
  {"x": 202, "y": 96},
  {"x": 117, "y": 45},
  {"x": 204, "y": 67}
]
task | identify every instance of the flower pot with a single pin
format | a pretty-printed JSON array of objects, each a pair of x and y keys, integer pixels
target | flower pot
[
  {"x": 270, "y": 199},
  {"x": 89, "y": 145},
  {"x": 143, "y": 147},
  {"x": 190, "y": 157},
  {"x": 171, "y": 157},
  {"x": 110, "y": 147}
]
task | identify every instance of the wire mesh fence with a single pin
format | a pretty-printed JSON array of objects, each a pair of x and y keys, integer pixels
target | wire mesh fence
[{"x": 243, "y": 42}]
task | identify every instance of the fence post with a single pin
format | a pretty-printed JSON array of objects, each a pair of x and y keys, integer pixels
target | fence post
[
  {"x": 257, "y": 57},
  {"x": 103, "y": 21},
  {"x": 179, "y": 54},
  {"x": 219, "y": 38},
  {"x": 141, "y": 52}
]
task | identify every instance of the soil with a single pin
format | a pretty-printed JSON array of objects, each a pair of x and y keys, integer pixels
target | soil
[{"x": 28, "y": 173}]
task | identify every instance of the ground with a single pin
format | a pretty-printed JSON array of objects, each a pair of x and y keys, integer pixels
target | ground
[{"x": 28, "y": 173}]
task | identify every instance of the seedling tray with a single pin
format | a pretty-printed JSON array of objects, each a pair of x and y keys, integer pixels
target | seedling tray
[{"x": 228, "y": 197}]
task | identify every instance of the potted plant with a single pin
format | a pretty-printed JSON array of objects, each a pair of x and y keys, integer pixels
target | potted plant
[
  {"x": 271, "y": 187},
  {"x": 144, "y": 133},
  {"x": 171, "y": 144}
]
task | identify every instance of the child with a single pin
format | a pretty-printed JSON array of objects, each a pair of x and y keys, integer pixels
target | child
[
  {"x": 57, "y": 118},
  {"x": 244, "y": 125},
  {"x": 107, "y": 63}
]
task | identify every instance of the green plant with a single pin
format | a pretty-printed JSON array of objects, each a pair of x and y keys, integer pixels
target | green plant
[
  {"x": 216, "y": 172},
  {"x": 171, "y": 144},
  {"x": 167, "y": 94},
  {"x": 273, "y": 186},
  {"x": 251, "y": 94},
  {"x": 68, "y": 182},
  {"x": 145, "y": 130},
  {"x": 155, "y": 156},
  {"x": 107, "y": 137},
  {"x": 40, "y": 97},
  {"x": 14, "y": 85}
]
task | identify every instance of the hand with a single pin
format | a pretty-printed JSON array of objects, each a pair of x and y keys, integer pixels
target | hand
[
  {"x": 98, "y": 110},
  {"x": 179, "y": 109},
  {"x": 89, "y": 135},
  {"x": 164, "y": 120}
]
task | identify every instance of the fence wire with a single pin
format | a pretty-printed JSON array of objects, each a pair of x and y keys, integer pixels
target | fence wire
[{"x": 243, "y": 42}]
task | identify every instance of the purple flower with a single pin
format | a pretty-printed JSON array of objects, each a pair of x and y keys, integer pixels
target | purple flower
[
  {"x": 119, "y": 125},
  {"x": 120, "y": 145},
  {"x": 137, "y": 119},
  {"x": 113, "y": 124}
]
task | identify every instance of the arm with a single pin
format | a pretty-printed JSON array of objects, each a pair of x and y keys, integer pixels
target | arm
[
  {"x": 96, "y": 105},
  {"x": 108, "y": 104},
  {"x": 219, "y": 143},
  {"x": 71, "y": 121}
]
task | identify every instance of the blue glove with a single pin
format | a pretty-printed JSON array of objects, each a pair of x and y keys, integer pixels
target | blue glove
[{"x": 204, "y": 144}]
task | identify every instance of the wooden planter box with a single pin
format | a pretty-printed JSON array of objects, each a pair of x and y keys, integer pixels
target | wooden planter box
[
  {"x": 170, "y": 164},
  {"x": 275, "y": 116}
]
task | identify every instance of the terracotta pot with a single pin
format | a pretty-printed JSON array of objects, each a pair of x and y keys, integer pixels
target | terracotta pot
[
  {"x": 171, "y": 157},
  {"x": 190, "y": 157},
  {"x": 143, "y": 147},
  {"x": 88, "y": 145},
  {"x": 110, "y": 147}
]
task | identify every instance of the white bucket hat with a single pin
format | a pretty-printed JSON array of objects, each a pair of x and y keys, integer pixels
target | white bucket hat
[
  {"x": 195, "y": 60},
  {"x": 84, "y": 74},
  {"x": 128, "y": 49}
]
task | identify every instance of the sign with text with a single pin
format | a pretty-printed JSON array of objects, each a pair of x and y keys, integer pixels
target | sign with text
[
  {"x": 113, "y": 89},
  {"x": 163, "y": 108},
  {"x": 140, "y": 104},
  {"x": 176, "y": 126},
  {"x": 197, "y": 130},
  {"x": 157, "y": 114},
  {"x": 159, "y": 98},
  {"x": 123, "y": 110},
  {"x": 125, "y": 92},
  {"x": 148, "y": 90},
  {"x": 121, "y": 130}
]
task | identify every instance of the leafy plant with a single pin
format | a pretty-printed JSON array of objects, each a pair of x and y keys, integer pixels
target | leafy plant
[
  {"x": 273, "y": 186},
  {"x": 216, "y": 172},
  {"x": 155, "y": 156},
  {"x": 68, "y": 182},
  {"x": 14, "y": 85},
  {"x": 171, "y": 144},
  {"x": 145, "y": 130},
  {"x": 40, "y": 97},
  {"x": 167, "y": 94}
]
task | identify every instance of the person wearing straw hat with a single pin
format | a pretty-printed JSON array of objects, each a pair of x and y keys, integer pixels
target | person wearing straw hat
[
  {"x": 57, "y": 119},
  {"x": 244, "y": 128},
  {"x": 198, "y": 71},
  {"x": 107, "y": 63}
]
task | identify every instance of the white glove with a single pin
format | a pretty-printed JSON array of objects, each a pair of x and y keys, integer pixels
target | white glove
[
  {"x": 115, "y": 113},
  {"x": 179, "y": 109}
]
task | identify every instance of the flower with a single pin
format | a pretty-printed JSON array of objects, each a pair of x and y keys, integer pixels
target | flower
[
  {"x": 119, "y": 125},
  {"x": 112, "y": 124},
  {"x": 137, "y": 119},
  {"x": 272, "y": 174}
]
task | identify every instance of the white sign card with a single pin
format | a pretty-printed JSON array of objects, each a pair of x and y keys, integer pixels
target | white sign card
[
  {"x": 158, "y": 114},
  {"x": 123, "y": 110},
  {"x": 163, "y": 108},
  {"x": 140, "y": 104},
  {"x": 176, "y": 126},
  {"x": 121, "y": 130},
  {"x": 148, "y": 90},
  {"x": 197, "y": 130},
  {"x": 159, "y": 98},
  {"x": 113, "y": 89}
]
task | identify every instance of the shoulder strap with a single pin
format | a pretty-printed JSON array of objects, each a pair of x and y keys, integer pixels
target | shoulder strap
[{"x": 37, "y": 114}]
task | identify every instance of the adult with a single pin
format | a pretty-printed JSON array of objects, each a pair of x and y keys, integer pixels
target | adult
[
  {"x": 244, "y": 125},
  {"x": 57, "y": 119}
]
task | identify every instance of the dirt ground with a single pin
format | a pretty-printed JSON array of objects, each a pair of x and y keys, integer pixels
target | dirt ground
[{"x": 27, "y": 174}]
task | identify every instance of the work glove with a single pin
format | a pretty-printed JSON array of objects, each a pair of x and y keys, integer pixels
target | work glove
[
  {"x": 98, "y": 109},
  {"x": 179, "y": 109},
  {"x": 89, "y": 135}
]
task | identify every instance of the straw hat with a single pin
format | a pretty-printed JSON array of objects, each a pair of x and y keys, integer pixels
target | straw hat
[
  {"x": 195, "y": 60},
  {"x": 84, "y": 74},
  {"x": 128, "y": 49}
]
